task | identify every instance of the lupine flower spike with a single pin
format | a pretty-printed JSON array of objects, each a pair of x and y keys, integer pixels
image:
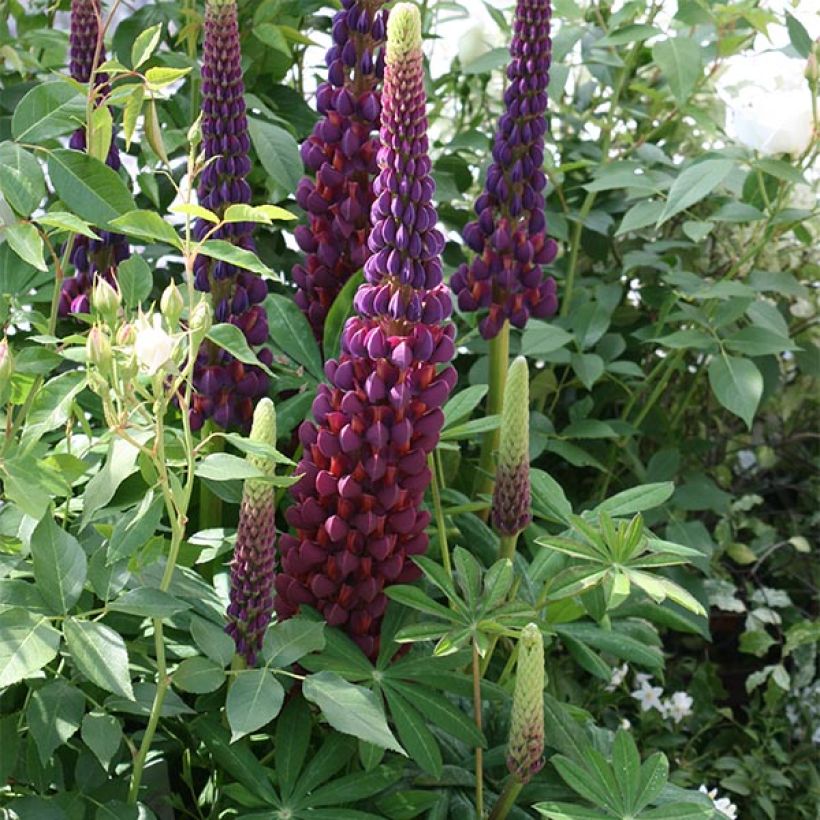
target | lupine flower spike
[
  {"x": 525, "y": 750},
  {"x": 252, "y": 567},
  {"x": 358, "y": 517},
  {"x": 91, "y": 257},
  {"x": 511, "y": 497},
  {"x": 509, "y": 236},
  {"x": 341, "y": 153},
  {"x": 226, "y": 388}
]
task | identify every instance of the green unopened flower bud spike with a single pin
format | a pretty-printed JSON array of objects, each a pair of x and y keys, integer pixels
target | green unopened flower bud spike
[
  {"x": 525, "y": 748},
  {"x": 511, "y": 511}
]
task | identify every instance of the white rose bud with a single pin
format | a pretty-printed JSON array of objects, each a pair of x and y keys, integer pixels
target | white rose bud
[
  {"x": 202, "y": 318},
  {"x": 98, "y": 349},
  {"x": 105, "y": 299},
  {"x": 153, "y": 346},
  {"x": 171, "y": 304}
]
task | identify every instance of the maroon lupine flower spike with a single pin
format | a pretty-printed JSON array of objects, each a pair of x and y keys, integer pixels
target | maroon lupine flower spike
[
  {"x": 358, "y": 516},
  {"x": 226, "y": 389},
  {"x": 251, "y": 606},
  {"x": 510, "y": 234},
  {"x": 90, "y": 257},
  {"x": 341, "y": 153}
]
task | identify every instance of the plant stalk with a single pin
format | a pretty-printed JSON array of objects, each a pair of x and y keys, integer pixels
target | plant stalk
[
  {"x": 439, "y": 513},
  {"x": 479, "y": 752},
  {"x": 499, "y": 358},
  {"x": 506, "y": 800}
]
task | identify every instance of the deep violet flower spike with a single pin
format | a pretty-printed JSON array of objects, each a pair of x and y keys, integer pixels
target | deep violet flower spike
[
  {"x": 226, "y": 389},
  {"x": 340, "y": 156},
  {"x": 511, "y": 510},
  {"x": 252, "y": 568},
  {"x": 91, "y": 257},
  {"x": 358, "y": 517},
  {"x": 525, "y": 749},
  {"x": 509, "y": 235}
]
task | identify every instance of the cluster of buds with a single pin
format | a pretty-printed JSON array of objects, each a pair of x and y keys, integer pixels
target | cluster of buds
[
  {"x": 525, "y": 749},
  {"x": 511, "y": 510},
  {"x": 341, "y": 153},
  {"x": 91, "y": 258},
  {"x": 358, "y": 516},
  {"x": 509, "y": 236},
  {"x": 227, "y": 389},
  {"x": 251, "y": 591}
]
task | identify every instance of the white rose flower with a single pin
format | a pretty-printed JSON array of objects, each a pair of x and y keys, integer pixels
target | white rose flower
[
  {"x": 768, "y": 102},
  {"x": 723, "y": 805},
  {"x": 477, "y": 40},
  {"x": 153, "y": 346}
]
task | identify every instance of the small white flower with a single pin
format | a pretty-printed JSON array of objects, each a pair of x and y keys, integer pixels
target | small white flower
[
  {"x": 649, "y": 697},
  {"x": 679, "y": 706},
  {"x": 617, "y": 678},
  {"x": 626, "y": 724},
  {"x": 153, "y": 346},
  {"x": 642, "y": 679},
  {"x": 722, "y": 804}
]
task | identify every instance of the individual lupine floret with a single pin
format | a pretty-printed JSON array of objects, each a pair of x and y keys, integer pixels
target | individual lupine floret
[
  {"x": 511, "y": 510},
  {"x": 90, "y": 257},
  {"x": 358, "y": 516},
  {"x": 226, "y": 389},
  {"x": 252, "y": 568},
  {"x": 510, "y": 234},
  {"x": 341, "y": 153},
  {"x": 525, "y": 749}
]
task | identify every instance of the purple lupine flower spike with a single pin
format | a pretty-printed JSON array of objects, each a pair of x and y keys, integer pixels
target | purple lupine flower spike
[
  {"x": 510, "y": 234},
  {"x": 358, "y": 516},
  {"x": 251, "y": 594},
  {"x": 227, "y": 389},
  {"x": 90, "y": 257},
  {"x": 341, "y": 153}
]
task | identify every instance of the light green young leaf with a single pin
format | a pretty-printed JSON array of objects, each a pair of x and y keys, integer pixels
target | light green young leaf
[
  {"x": 26, "y": 242},
  {"x": 145, "y": 44}
]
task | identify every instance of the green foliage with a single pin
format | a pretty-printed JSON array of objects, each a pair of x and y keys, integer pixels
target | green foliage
[{"x": 672, "y": 419}]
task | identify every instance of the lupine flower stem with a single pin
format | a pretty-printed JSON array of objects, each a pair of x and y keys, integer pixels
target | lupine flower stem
[
  {"x": 210, "y": 504},
  {"x": 499, "y": 360},
  {"x": 439, "y": 515},
  {"x": 507, "y": 546},
  {"x": 506, "y": 800},
  {"x": 479, "y": 752}
]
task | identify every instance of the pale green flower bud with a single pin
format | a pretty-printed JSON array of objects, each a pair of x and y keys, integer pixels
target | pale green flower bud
[
  {"x": 171, "y": 304},
  {"x": 525, "y": 750},
  {"x": 511, "y": 497},
  {"x": 98, "y": 349},
  {"x": 105, "y": 299},
  {"x": 202, "y": 318}
]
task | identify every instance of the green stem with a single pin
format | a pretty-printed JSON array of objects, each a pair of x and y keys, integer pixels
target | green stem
[
  {"x": 499, "y": 359},
  {"x": 507, "y": 546},
  {"x": 210, "y": 504},
  {"x": 439, "y": 513},
  {"x": 506, "y": 800},
  {"x": 479, "y": 752},
  {"x": 163, "y": 681}
]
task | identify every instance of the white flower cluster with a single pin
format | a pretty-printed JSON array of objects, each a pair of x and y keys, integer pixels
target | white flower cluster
[
  {"x": 722, "y": 804},
  {"x": 677, "y": 706}
]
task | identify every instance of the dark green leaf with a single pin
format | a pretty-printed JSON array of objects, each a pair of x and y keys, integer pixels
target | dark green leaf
[
  {"x": 91, "y": 189},
  {"x": 47, "y": 111},
  {"x": 340, "y": 311},
  {"x": 254, "y": 699},
  {"x": 21, "y": 178},
  {"x": 100, "y": 654},
  {"x": 416, "y": 738},
  {"x": 291, "y": 333},
  {"x": 229, "y": 337},
  {"x": 60, "y": 565},
  {"x": 737, "y": 385},
  {"x": 278, "y": 153},
  {"x": 53, "y": 714},
  {"x": 27, "y": 643}
]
